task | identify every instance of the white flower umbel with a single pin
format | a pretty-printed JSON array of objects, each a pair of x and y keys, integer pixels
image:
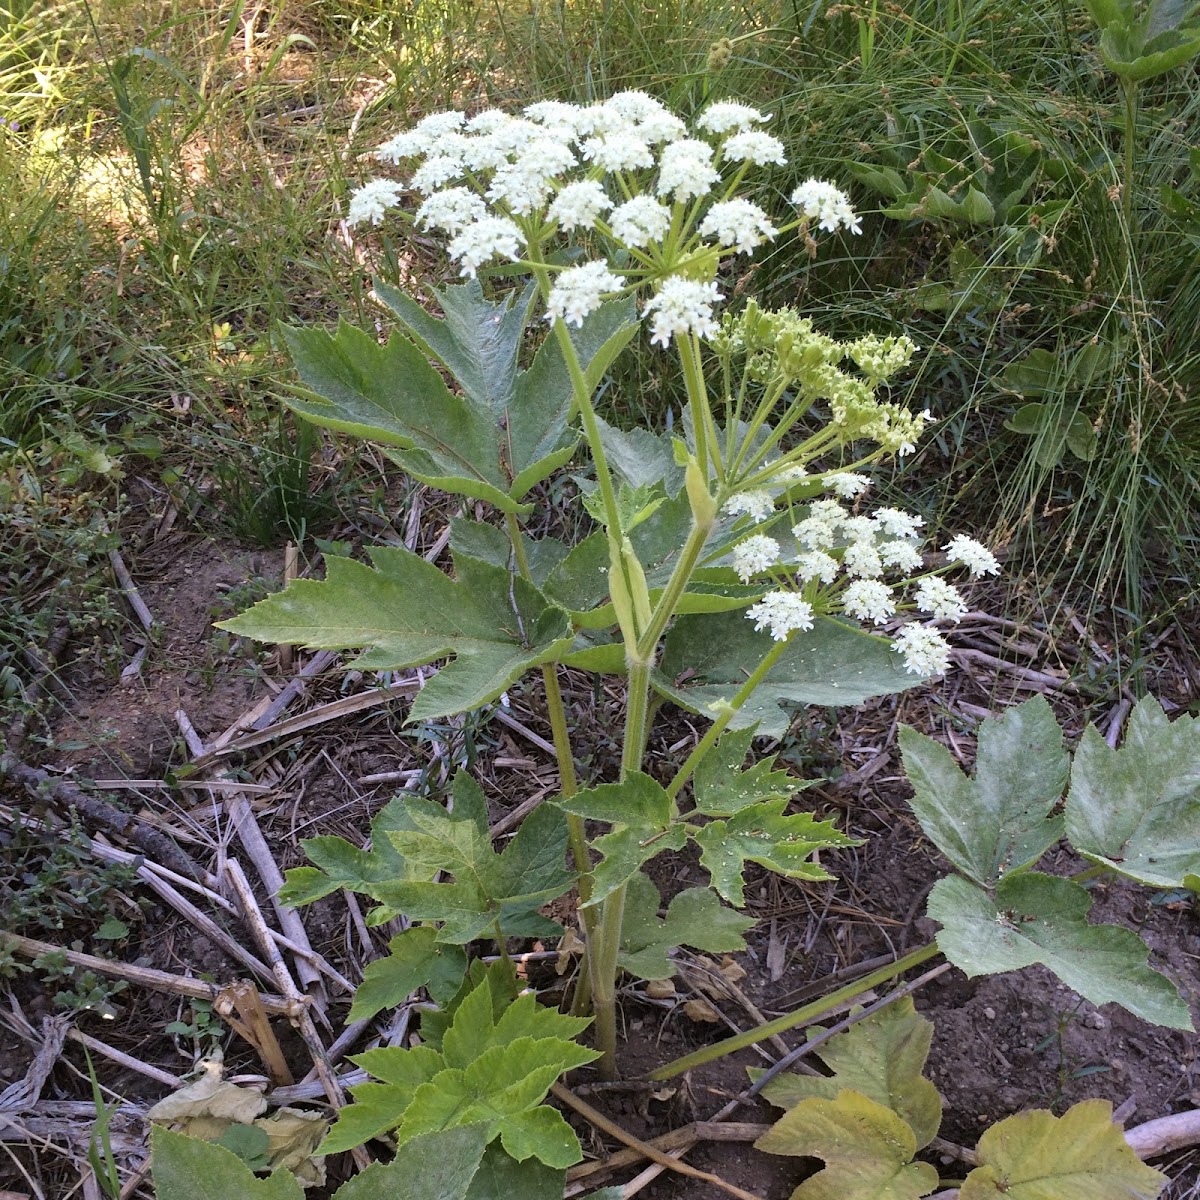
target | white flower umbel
[
  {"x": 681, "y": 306},
  {"x": 686, "y": 171},
  {"x": 753, "y": 146},
  {"x": 727, "y": 115},
  {"x": 578, "y": 291},
  {"x": 846, "y": 484},
  {"x": 738, "y": 223},
  {"x": 939, "y": 599},
  {"x": 869, "y": 600},
  {"x": 640, "y": 221},
  {"x": 755, "y": 555},
  {"x": 819, "y": 530},
  {"x": 579, "y": 204},
  {"x": 371, "y": 201},
  {"x": 492, "y": 237},
  {"x": 451, "y": 210},
  {"x": 520, "y": 190},
  {"x": 781, "y": 613},
  {"x": 862, "y": 561},
  {"x": 925, "y": 651},
  {"x": 660, "y": 127},
  {"x": 897, "y": 523},
  {"x": 620, "y": 150},
  {"x": 816, "y": 564},
  {"x": 408, "y": 144},
  {"x": 901, "y": 554},
  {"x": 434, "y": 172},
  {"x": 756, "y": 504},
  {"x": 973, "y": 555},
  {"x": 826, "y": 204}
]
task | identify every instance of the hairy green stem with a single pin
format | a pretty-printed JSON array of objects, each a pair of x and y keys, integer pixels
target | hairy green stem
[{"x": 801, "y": 1016}]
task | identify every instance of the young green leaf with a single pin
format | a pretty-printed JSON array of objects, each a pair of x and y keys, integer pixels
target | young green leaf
[
  {"x": 762, "y": 834},
  {"x": 408, "y": 612},
  {"x": 1034, "y": 918},
  {"x": 866, "y": 1147},
  {"x": 1137, "y": 809},
  {"x": 1001, "y": 820},
  {"x": 882, "y": 1057},
  {"x": 341, "y": 865},
  {"x": 694, "y": 918},
  {"x": 1038, "y": 1156},
  {"x": 706, "y": 658},
  {"x": 414, "y": 960},
  {"x": 186, "y": 1168},
  {"x": 723, "y": 788}
]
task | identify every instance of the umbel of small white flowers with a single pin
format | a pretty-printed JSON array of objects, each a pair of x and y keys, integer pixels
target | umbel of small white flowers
[
  {"x": 626, "y": 172},
  {"x": 860, "y": 566}
]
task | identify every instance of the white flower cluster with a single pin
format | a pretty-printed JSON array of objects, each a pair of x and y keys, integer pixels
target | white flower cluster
[
  {"x": 626, "y": 168},
  {"x": 863, "y": 550}
]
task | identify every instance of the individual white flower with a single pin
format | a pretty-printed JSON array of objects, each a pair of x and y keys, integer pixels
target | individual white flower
[
  {"x": 757, "y": 504},
  {"x": 901, "y": 554},
  {"x": 815, "y": 533},
  {"x": 578, "y": 291},
  {"x": 816, "y": 564},
  {"x": 897, "y": 523},
  {"x": 434, "y": 172},
  {"x": 408, "y": 144},
  {"x": 869, "y": 600},
  {"x": 737, "y": 223},
  {"x": 973, "y": 555},
  {"x": 862, "y": 561},
  {"x": 925, "y": 651},
  {"x": 754, "y": 146},
  {"x": 619, "y": 150},
  {"x": 781, "y": 612},
  {"x": 728, "y": 114},
  {"x": 847, "y": 484},
  {"x": 755, "y": 554},
  {"x": 579, "y": 204},
  {"x": 640, "y": 221},
  {"x": 484, "y": 240},
  {"x": 451, "y": 210},
  {"x": 685, "y": 170},
  {"x": 681, "y": 306},
  {"x": 371, "y": 201},
  {"x": 939, "y": 599},
  {"x": 826, "y": 204}
]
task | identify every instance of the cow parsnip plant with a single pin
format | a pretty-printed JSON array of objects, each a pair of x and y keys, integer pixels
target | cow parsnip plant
[{"x": 733, "y": 570}]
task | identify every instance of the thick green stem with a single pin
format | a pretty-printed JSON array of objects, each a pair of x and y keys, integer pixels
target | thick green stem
[
  {"x": 726, "y": 715},
  {"x": 801, "y": 1016},
  {"x": 664, "y": 610}
]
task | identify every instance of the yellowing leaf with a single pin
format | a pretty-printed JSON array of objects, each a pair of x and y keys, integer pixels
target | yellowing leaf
[
  {"x": 867, "y": 1150},
  {"x": 882, "y": 1057},
  {"x": 1081, "y": 1155}
]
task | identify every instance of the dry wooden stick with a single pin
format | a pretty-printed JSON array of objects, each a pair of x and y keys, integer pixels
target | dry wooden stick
[
  {"x": 601, "y": 1122},
  {"x": 123, "y": 1059},
  {"x": 157, "y": 981}
]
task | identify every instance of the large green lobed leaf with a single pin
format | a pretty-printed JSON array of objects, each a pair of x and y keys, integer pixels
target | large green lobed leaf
[
  {"x": 1034, "y": 918},
  {"x": 1002, "y": 819},
  {"x": 1137, "y": 809},
  {"x": 407, "y": 612}
]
